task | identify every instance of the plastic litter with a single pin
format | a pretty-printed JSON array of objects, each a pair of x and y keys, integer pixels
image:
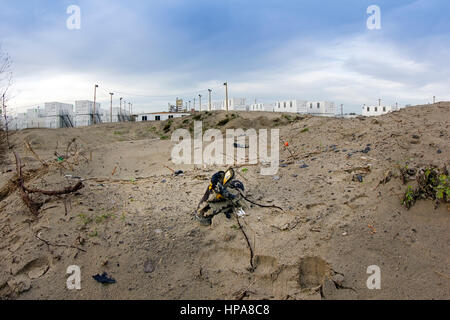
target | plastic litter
[{"x": 104, "y": 278}]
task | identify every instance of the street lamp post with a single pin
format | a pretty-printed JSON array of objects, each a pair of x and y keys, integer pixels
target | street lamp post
[
  {"x": 95, "y": 98},
  {"x": 209, "y": 91},
  {"x": 120, "y": 111},
  {"x": 226, "y": 94},
  {"x": 110, "y": 108},
  {"x": 200, "y": 101}
]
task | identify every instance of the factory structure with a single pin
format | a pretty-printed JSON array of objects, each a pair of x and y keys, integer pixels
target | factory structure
[
  {"x": 320, "y": 108},
  {"x": 85, "y": 113},
  {"x": 373, "y": 111},
  {"x": 56, "y": 115}
]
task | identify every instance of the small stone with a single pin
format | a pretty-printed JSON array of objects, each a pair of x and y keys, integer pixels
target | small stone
[
  {"x": 38, "y": 272},
  {"x": 415, "y": 136},
  {"x": 366, "y": 150},
  {"x": 276, "y": 178},
  {"x": 338, "y": 279},
  {"x": 20, "y": 284},
  {"x": 328, "y": 288},
  {"x": 439, "y": 151},
  {"x": 149, "y": 266},
  {"x": 304, "y": 166}
]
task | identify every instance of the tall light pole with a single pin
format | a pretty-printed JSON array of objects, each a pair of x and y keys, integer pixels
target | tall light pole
[
  {"x": 434, "y": 99},
  {"x": 95, "y": 98},
  {"x": 189, "y": 105},
  {"x": 200, "y": 101},
  {"x": 209, "y": 91},
  {"x": 226, "y": 94},
  {"x": 110, "y": 108},
  {"x": 194, "y": 104},
  {"x": 120, "y": 110}
]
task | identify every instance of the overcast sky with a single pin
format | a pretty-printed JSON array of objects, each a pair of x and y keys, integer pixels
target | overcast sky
[{"x": 150, "y": 52}]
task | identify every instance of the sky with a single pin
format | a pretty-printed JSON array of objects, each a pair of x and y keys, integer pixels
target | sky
[{"x": 151, "y": 52}]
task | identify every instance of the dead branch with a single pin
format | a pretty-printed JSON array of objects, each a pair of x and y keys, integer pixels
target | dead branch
[
  {"x": 66, "y": 190},
  {"x": 29, "y": 148},
  {"x": 248, "y": 243},
  {"x": 33, "y": 206},
  {"x": 56, "y": 244},
  {"x": 24, "y": 191},
  {"x": 173, "y": 171}
]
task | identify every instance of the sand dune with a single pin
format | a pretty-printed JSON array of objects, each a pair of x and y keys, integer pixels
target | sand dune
[{"x": 134, "y": 218}]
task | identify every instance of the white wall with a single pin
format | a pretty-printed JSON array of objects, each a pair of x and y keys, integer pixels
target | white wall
[
  {"x": 54, "y": 111},
  {"x": 163, "y": 116},
  {"x": 262, "y": 107},
  {"x": 294, "y": 106},
  {"x": 371, "y": 111},
  {"x": 321, "y": 108}
]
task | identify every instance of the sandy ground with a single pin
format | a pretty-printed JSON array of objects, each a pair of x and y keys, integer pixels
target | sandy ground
[{"x": 134, "y": 219}]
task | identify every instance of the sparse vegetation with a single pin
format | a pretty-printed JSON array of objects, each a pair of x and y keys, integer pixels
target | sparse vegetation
[
  {"x": 167, "y": 126},
  {"x": 88, "y": 219},
  {"x": 432, "y": 184},
  {"x": 304, "y": 130},
  {"x": 223, "y": 122},
  {"x": 410, "y": 198}
]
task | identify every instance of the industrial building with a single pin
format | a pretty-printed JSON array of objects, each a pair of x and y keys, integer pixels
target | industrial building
[
  {"x": 159, "y": 116},
  {"x": 56, "y": 115},
  {"x": 372, "y": 111},
  {"x": 294, "y": 106},
  {"x": 319, "y": 108},
  {"x": 322, "y": 108},
  {"x": 268, "y": 107},
  {"x": 234, "y": 104}
]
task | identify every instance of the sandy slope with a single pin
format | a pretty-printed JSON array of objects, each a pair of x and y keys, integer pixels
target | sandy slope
[{"x": 140, "y": 218}]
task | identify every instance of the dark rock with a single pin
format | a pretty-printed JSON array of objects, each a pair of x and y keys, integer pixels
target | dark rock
[
  {"x": 439, "y": 151},
  {"x": 304, "y": 166},
  {"x": 149, "y": 266},
  {"x": 366, "y": 150}
]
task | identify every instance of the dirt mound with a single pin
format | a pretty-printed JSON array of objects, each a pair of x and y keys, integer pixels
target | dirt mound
[{"x": 340, "y": 185}]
